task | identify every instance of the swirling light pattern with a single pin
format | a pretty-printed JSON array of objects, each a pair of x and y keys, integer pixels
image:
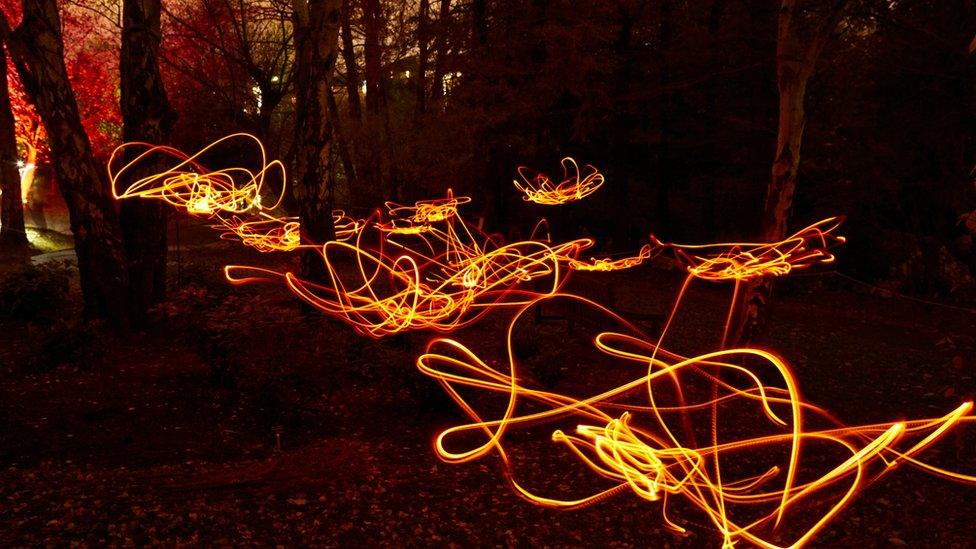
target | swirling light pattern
[
  {"x": 423, "y": 267},
  {"x": 432, "y": 275},
  {"x": 744, "y": 261},
  {"x": 643, "y": 436},
  {"x": 606, "y": 264},
  {"x": 576, "y": 185},
  {"x": 236, "y": 198}
]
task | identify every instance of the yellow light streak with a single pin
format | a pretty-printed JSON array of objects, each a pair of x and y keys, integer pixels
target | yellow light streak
[
  {"x": 575, "y": 185},
  {"x": 422, "y": 267}
]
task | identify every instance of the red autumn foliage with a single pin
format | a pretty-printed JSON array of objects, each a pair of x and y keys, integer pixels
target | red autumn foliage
[{"x": 91, "y": 57}]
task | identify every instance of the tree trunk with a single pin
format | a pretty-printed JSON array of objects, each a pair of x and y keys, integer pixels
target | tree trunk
[
  {"x": 349, "y": 57},
  {"x": 440, "y": 59},
  {"x": 316, "y": 33},
  {"x": 271, "y": 97},
  {"x": 38, "y": 52},
  {"x": 348, "y": 167},
  {"x": 794, "y": 67},
  {"x": 664, "y": 164},
  {"x": 625, "y": 147},
  {"x": 479, "y": 22},
  {"x": 423, "y": 41},
  {"x": 384, "y": 172},
  {"x": 713, "y": 103},
  {"x": 13, "y": 234},
  {"x": 146, "y": 116},
  {"x": 372, "y": 23}
]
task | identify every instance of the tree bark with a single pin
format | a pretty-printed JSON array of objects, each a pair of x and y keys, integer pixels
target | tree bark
[
  {"x": 37, "y": 48},
  {"x": 349, "y": 58},
  {"x": 440, "y": 58},
  {"x": 13, "y": 234},
  {"x": 348, "y": 166},
  {"x": 384, "y": 172},
  {"x": 372, "y": 22},
  {"x": 794, "y": 67},
  {"x": 479, "y": 22},
  {"x": 423, "y": 42},
  {"x": 316, "y": 26},
  {"x": 713, "y": 103},
  {"x": 664, "y": 164},
  {"x": 147, "y": 116}
]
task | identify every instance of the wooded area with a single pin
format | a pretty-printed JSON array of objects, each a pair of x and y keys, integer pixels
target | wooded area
[
  {"x": 752, "y": 124},
  {"x": 684, "y": 105}
]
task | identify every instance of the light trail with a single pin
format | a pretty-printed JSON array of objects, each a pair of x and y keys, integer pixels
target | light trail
[
  {"x": 436, "y": 276},
  {"x": 576, "y": 185},
  {"x": 608, "y": 264},
  {"x": 233, "y": 197},
  {"x": 744, "y": 261},
  {"x": 422, "y": 267},
  {"x": 647, "y": 450}
]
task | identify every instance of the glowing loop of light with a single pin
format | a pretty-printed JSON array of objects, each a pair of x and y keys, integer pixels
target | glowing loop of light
[
  {"x": 575, "y": 185},
  {"x": 424, "y": 267},
  {"x": 234, "y": 197},
  {"x": 607, "y": 264},
  {"x": 744, "y": 261},
  {"x": 441, "y": 278},
  {"x": 649, "y": 450}
]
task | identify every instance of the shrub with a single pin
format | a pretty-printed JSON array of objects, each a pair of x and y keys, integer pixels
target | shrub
[
  {"x": 35, "y": 292},
  {"x": 66, "y": 341}
]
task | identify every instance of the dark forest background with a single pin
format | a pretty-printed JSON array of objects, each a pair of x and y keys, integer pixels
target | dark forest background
[{"x": 677, "y": 102}]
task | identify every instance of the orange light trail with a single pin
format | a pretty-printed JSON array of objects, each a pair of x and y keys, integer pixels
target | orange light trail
[
  {"x": 744, "y": 261},
  {"x": 438, "y": 276},
  {"x": 608, "y": 264},
  {"x": 190, "y": 186},
  {"x": 223, "y": 195},
  {"x": 422, "y": 267},
  {"x": 647, "y": 449},
  {"x": 576, "y": 185}
]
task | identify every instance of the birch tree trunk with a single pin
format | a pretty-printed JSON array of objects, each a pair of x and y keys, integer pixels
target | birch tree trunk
[
  {"x": 37, "y": 49},
  {"x": 146, "y": 116},
  {"x": 795, "y": 64}
]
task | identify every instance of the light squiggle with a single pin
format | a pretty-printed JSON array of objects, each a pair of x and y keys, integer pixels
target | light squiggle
[
  {"x": 422, "y": 267},
  {"x": 744, "y": 261},
  {"x": 652, "y": 449},
  {"x": 575, "y": 185},
  {"x": 609, "y": 264},
  {"x": 190, "y": 186},
  {"x": 438, "y": 275},
  {"x": 233, "y": 197}
]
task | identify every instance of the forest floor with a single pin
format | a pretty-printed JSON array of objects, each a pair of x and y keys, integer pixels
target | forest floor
[{"x": 235, "y": 419}]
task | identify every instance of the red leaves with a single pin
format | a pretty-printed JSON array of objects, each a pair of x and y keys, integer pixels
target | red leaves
[{"x": 91, "y": 57}]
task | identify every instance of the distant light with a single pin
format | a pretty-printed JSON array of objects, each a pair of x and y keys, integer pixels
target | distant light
[
  {"x": 25, "y": 169},
  {"x": 257, "y": 95},
  {"x": 406, "y": 74},
  {"x": 274, "y": 78}
]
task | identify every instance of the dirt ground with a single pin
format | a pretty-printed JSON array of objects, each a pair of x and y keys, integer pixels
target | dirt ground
[{"x": 236, "y": 419}]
